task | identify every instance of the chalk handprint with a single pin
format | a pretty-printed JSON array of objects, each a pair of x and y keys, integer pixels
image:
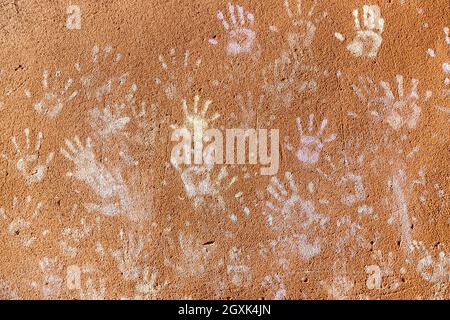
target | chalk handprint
[
  {"x": 104, "y": 183},
  {"x": 398, "y": 110},
  {"x": 310, "y": 145},
  {"x": 368, "y": 38},
  {"x": 305, "y": 19},
  {"x": 241, "y": 38},
  {"x": 54, "y": 95},
  {"x": 26, "y": 158},
  {"x": 293, "y": 217}
]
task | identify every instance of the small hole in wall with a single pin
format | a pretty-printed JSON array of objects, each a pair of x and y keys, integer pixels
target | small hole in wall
[
  {"x": 403, "y": 279},
  {"x": 412, "y": 226},
  {"x": 398, "y": 243},
  {"x": 17, "y": 232}
]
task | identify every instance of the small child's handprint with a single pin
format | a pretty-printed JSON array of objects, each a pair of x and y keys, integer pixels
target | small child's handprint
[
  {"x": 368, "y": 38},
  {"x": 310, "y": 145},
  {"x": 27, "y": 156},
  {"x": 54, "y": 96},
  {"x": 241, "y": 38}
]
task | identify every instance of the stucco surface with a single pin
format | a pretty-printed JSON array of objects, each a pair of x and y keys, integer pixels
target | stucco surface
[{"x": 93, "y": 205}]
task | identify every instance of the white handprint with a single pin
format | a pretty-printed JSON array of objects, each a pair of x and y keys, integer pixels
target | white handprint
[
  {"x": 105, "y": 184},
  {"x": 108, "y": 120},
  {"x": 368, "y": 38},
  {"x": 239, "y": 270},
  {"x": 241, "y": 38},
  {"x": 196, "y": 120},
  {"x": 51, "y": 280},
  {"x": 398, "y": 111},
  {"x": 26, "y": 156},
  {"x": 445, "y": 92},
  {"x": 285, "y": 77},
  {"x": 433, "y": 269},
  {"x": 199, "y": 183},
  {"x": 127, "y": 257},
  {"x": 22, "y": 214},
  {"x": 55, "y": 96},
  {"x": 95, "y": 78},
  {"x": 149, "y": 288},
  {"x": 311, "y": 145},
  {"x": 308, "y": 21},
  {"x": 195, "y": 123},
  {"x": 178, "y": 76},
  {"x": 291, "y": 215}
]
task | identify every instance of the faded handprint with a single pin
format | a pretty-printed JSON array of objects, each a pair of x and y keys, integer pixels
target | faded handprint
[
  {"x": 310, "y": 145},
  {"x": 21, "y": 216},
  {"x": 237, "y": 269},
  {"x": 127, "y": 257},
  {"x": 195, "y": 122},
  {"x": 241, "y": 36},
  {"x": 119, "y": 112},
  {"x": 54, "y": 96},
  {"x": 351, "y": 198},
  {"x": 179, "y": 77},
  {"x": 95, "y": 79},
  {"x": 308, "y": 22},
  {"x": 384, "y": 268},
  {"x": 108, "y": 120},
  {"x": 248, "y": 111},
  {"x": 398, "y": 111},
  {"x": 445, "y": 92},
  {"x": 349, "y": 237},
  {"x": 149, "y": 288},
  {"x": 92, "y": 291},
  {"x": 347, "y": 173},
  {"x": 285, "y": 77},
  {"x": 105, "y": 184},
  {"x": 277, "y": 284},
  {"x": 368, "y": 38},
  {"x": 433, "y": 269},
  {"x": 71, "y": 237},
  {"x": 51, "y": 280},
  {"x": 26, "y": 156},
  {"x": 288, "y": 213},
  {"x": 200, "y": 183},
  {"x": 341, "y": 285},
  {"x": 194, "y": 256}
]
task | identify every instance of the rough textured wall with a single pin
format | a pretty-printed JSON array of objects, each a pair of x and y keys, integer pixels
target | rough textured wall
[{"x": 93, "y": 204}]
